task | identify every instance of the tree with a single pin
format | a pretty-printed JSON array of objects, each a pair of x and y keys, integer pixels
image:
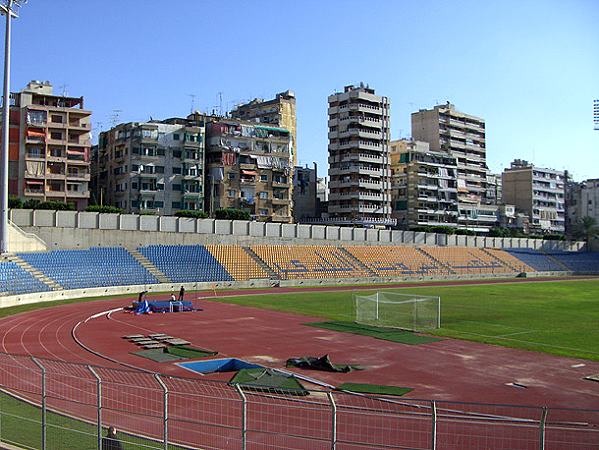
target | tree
[{"x": 587, "y": 229}]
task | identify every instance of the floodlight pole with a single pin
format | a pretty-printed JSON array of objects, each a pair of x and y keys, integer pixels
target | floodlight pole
[{"x": 7, "y": 10}]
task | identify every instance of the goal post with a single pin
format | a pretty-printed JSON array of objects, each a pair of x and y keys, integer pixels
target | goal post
[{"x": 393, "y": 310}]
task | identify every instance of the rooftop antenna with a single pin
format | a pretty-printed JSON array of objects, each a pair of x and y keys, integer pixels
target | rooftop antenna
[
  {"x": 220, "y": 103},
  {"x": 193, "y": 99},
  {"x": 63, "y": 88},
  {"x": 115, "y": 117}
]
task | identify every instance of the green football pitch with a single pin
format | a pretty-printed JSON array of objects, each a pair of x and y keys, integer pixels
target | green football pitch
[{"x": 558, "y": 317}]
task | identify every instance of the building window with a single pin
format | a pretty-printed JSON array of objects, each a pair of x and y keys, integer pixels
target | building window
[
  {"x": 158, "y": 204},
  {"x": 175, "y": 136},
  {"x": 159, "y": 169},
  {"x": 263, "y": 195},
  {"x": 176, "y": 187},
  {"x": 231, "y": 176},
  {"x": 176, "y": 170},
  {"x": 56, "y": 135},
  {"x": 56, "y": 119},
  {"x": 263, "y": 212},
  {"x": 231, "y": 193},
  {"x": 263, "y": 177},
  {"x": 176, "y": 153}
]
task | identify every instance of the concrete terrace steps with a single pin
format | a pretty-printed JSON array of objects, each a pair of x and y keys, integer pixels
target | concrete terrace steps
[
  {"x": 428, "y": 255},
  {"x": 357, "y": 262},
  {"x": 271, "y": 273},
  {"x": 36, "y": 273},
  {"x": 146, "y": 264}
]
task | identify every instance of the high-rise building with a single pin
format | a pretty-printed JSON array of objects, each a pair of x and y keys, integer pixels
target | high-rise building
[
  {"x": 279, "y": 112},
  {"x": 359, "y": 167},
  {"x": 248, "y": 168},
  {"x": 537, "y": 192},
  {"x": 582, "y": 201},
  {"x": 49, "y": 150},
  {"x": 305, "y": 202},
  {"x": 596, "y": 114},
  {"x": 155, "y": 166},
  {"x": 463, "y": 136},
  {"x": 424, "y": 185}
]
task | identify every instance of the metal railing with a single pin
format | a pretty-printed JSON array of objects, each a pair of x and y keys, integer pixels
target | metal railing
[{"x": 52, "y": 404}]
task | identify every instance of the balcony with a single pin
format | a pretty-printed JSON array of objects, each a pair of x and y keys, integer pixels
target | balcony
[
  {"x": 280, "y": 184},
  {"x": 55, "y": 175},
  {"x": 280, "y": 201},
  {"x": 77, "y": 194},
  {"x": 76, "y": 142},
  {"x": 80, "y": 176}
]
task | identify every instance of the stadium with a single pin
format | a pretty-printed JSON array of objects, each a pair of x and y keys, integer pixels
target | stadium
[{"x": 292, "y": 336}]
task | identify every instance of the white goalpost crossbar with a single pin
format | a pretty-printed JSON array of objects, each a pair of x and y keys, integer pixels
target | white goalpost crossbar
[{"x": 393, "y": 310}]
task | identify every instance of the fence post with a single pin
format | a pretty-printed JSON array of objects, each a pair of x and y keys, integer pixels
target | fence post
[
  {"x": 98, "y": 404},
  {"x": 542, "y": 428},
  {"x": 244, "y": 417},
  {"x": 43, "y": 369},
  {"x": 333, "y": 420},
  {"x": 164, "y": 411},
  {"x": 433, "y": 425}
]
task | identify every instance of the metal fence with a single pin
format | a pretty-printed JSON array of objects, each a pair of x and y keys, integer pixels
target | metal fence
[{"x": 51, "y": 404}]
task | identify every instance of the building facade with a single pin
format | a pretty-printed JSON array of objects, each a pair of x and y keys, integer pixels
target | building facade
[
  {"x": 359, "y": 166},
  {"x": 248, "y": 167},
  {"x": 305, "y": 202},
  {"x": 49, "y": 146},
  {"x": 582, "y": 201},
  {"x": 278, "y": 112},
  {"x": 463, "y": 136},
  {"x": 537, "y": 192},
  {"x": 155, "y": 166},
  {"x": 424, "y": 185}
]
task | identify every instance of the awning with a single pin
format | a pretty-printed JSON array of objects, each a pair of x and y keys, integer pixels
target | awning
[
  {"x": 75, "y": 152},
  {"x": 34, "y": 182},
  {"x": 34, "y": 133},
  {"x": 249, "y": 172},
  {"x": 281, "y": 130}
]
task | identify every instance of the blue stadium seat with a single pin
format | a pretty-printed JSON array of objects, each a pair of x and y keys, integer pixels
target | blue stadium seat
[
  {"x": 535, "y": 259},
  {"x": 94, "y": 267},
  {"x": 578, "y": 261},
  {"x": 186, "y": 263},
  {"x": 14, "y": 280}
]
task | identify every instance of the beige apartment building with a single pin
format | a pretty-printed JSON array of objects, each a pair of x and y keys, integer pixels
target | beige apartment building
[
  {"x": 424, "y": 185},
  {"x": 463, "y": 136},
  {"x": 537, "y": 192},
  {"x": 155, "y": 166},
  {"x": 278, "y": 112},
  {"x": 49, "y": 148},
  {"x": 359, "y": 166},
  {"x": 248, "y": 167}
]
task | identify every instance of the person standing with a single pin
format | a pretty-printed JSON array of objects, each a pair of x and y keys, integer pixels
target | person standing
[
  {"x": 181, "y": 293},
  {"x": 111, "y": 441}
]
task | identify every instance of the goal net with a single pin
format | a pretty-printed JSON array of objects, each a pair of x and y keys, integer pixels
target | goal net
[{"x": 389, "y": 309}]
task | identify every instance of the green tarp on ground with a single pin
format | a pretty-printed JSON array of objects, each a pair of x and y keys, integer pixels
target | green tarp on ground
[
  {"x": 174, "y": 353},
  {"x": 387, "y": 334},
  {"x": 268, "y": 380},
  {"x": 157, "y": 355},
  {"x": 374, "y": 389}
]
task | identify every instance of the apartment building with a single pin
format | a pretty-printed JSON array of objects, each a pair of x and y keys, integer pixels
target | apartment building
[
  {"x": 155, "y": 166},
  {"x": 248, "y": 167},
  {"x": 538, "y": 192},
  {"x": 49, "y": 146},
  {"x": 278, "y": 112},
  {"x": 463, "y": 136},
  {"x": 359, "y": 166},
  {"x": 582, "y": 201},
  {"x": 305, "y": 201},
  {"x": 424, "y": 185}
]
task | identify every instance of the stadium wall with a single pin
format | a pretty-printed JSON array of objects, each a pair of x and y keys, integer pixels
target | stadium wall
[{"x": 72, "y": 230}]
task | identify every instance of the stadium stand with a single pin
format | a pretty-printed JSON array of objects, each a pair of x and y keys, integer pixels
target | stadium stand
[
  {"x": 310, "y": 261},
  {"x": 509, "y": 260},
  {"x": 237, "y": 262},
  {"x": 540, "y": 262},
  {"x": 15, "y": 280},
  {"x": 94, "y": 267},
  {"x": 467, "y": 260},
  {"x": 578, "y": 261},
  {"x": 396, "y": 261},
  {"x": 186, "y": 263}
]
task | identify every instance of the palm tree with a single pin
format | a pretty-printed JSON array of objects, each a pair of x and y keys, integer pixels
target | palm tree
[{"x": 587, "y": 229}]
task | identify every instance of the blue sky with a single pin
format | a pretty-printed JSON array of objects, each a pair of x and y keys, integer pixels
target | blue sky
[{"x": 529, "y": 68}]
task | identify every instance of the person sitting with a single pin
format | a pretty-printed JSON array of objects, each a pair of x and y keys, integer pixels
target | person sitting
[{"x": 111, "y": 441}]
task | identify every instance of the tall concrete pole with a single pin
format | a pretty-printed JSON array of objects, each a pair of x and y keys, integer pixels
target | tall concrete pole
[{"x": 6, "y": 9}]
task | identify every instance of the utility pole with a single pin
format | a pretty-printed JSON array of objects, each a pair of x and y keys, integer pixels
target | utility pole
[{"x": 6, "y": 8}]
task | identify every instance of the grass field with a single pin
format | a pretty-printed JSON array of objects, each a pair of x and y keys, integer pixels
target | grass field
[{"x": 554, "y": 317}]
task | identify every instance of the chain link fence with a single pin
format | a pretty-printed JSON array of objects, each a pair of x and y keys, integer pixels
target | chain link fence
[{"x": 47, "y": 404}]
